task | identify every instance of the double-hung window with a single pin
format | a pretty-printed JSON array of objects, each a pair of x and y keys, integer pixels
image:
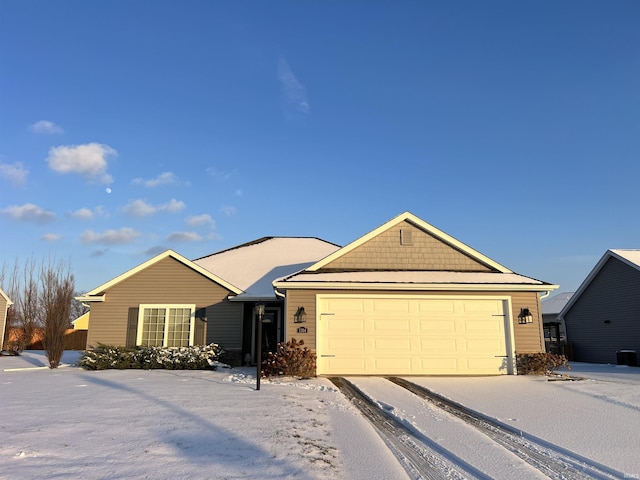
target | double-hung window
[{"x": 166, "y": 325}]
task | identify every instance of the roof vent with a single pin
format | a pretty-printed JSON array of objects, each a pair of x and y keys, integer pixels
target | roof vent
[{"x": 405, "y": 237}]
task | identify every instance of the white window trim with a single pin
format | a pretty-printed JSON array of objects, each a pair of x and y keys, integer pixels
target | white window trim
[{"x": 166, "y": 306}]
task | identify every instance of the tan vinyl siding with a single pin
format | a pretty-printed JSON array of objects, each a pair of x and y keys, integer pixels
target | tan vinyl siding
[
  {"x": 306, "y": 299},
  {"x": 418, "y": 250},
  {"x": 224, "y": 324},
  {"x": 3, "y": 318},
  {"x": 528, "y": 338},
  {"x": 165, "y": 282}
]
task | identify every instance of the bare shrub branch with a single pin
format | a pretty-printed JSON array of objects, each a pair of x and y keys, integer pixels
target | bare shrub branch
[{"x": 57, "y": 286}]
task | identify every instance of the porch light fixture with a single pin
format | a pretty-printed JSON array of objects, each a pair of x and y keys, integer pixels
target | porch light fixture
[
  {"x": 300, "y": 316},
  {"x": 525, "y": 316},
  {"x": 259, "y": 312}
]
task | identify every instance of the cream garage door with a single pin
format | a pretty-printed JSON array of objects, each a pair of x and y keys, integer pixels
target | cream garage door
[{"x": 411, "y": 335}]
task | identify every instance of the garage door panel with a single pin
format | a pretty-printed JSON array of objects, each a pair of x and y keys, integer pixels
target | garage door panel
[
  {"x": 392, "y": 364},
  {"x": 353, "y": 344},
  {"x": 391, "y": 306},
  {"x": 346, "y": 324},
  {"x": 489, "y": 345},
  {"x": 346, "y": 305},
  {"x": 345, "y": 366},
  {"x": 435, "y": 306},
  {"x": 411, "y": 336},
  {"x": 392, "y": 344},
  {"x": 439, "y": 365},
  {"x": 488, "y": 326},
  {"x": 438, "y": 345},
  {"x": 429, "y": 325},
  {"x": 393, "y": 325}
]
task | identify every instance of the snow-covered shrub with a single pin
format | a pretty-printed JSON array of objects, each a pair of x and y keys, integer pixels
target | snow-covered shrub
[
  {"x": 540, "y": 363},
  {"x": 290, "y": 359},
  {"x": 199, "y": 357}
]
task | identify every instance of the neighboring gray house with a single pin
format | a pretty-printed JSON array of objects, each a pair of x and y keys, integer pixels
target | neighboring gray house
[
  {"x": 555, "y": 336},
  {"x": 603, "y": 317}
]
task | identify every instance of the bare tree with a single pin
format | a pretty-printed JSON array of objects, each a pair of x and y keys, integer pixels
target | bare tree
[
  {"x": 57, "y": 287},
  {"x": 77, "y": 307},
  {"x": 28, "y": 301}
]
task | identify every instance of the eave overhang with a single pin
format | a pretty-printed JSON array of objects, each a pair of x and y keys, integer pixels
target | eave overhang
[
  {"x": 91, "y": 298},
  {"x": 414, "y": 286}
]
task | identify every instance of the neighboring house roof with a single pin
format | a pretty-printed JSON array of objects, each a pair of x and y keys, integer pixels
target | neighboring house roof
[
  {"x": 98, "y": 293},
  {"x": 6, "y": 297},
  {"x": 630, "y": 257},
  {"x": 82, "y": 322},
  {"x": 498, "y": 278},
  {"x": 554, "y": 305},
  {"x": 253, "y": 266}
]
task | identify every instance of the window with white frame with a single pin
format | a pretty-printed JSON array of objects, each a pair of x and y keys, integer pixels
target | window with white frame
[{"x": 166, "y": 325}]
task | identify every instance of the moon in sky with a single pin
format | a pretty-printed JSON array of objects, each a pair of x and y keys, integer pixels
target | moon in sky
[{"x": 108, "y": 190}]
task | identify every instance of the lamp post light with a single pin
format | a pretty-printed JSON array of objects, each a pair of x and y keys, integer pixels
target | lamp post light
[{"x": 259, "y": 311}]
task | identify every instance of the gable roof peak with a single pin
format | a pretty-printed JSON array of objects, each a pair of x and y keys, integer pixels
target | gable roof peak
[
  {"x": 421, "y": 224},
  {"x": 167, "y": 253}
]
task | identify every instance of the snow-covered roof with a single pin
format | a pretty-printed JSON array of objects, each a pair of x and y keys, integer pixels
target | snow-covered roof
[
  {"x": 632, "y": 257},
  {"x": 254, "y": 266},
  {"x": 409, "y": 279},
  {"x": 554, "y": 305}
]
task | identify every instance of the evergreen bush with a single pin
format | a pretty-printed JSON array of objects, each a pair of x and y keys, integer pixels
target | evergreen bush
[
  {"x": 290, "y": 359},
  {"x": 199, "y": 357}
]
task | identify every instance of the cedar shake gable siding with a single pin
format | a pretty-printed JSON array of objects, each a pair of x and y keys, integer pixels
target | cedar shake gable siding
[
  {"x": 167, "y": 281},
  {"x": 612, "y": 296},
  {"x": 406, "y": 247}
]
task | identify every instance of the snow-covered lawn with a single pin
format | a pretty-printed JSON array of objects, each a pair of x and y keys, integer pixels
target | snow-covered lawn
[{"x": 75, "y": 424}]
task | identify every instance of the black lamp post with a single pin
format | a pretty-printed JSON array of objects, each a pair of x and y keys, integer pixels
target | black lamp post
[{"x": 259, "y": 311}]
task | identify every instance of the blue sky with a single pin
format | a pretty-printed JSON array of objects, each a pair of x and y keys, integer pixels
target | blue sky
[{"x": 127, "y": 128}]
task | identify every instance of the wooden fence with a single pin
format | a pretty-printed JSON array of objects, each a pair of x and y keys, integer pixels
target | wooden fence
[{"x": 73, "y": 339}]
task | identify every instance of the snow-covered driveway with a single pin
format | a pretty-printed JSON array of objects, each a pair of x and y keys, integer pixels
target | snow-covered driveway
[{"x": 75, "y": 424}]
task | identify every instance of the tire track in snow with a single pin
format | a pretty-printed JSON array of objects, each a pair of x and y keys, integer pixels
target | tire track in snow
[
  {"x": 421, "y": 457},
  {"x": 553, "y": 461}
]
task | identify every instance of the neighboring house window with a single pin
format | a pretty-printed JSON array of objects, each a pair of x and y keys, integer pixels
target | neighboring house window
[{"x": 166, "y": 325}]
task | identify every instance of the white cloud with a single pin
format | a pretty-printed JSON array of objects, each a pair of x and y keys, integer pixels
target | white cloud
[
  {"x": 229, "y": 210},
  {"x": 89, "y": 160},
  {"x": 45, "y": 127},
  {"x": 15, "y": 173},
  {"x": 51, "y": 237},
  {"x": 140, "y": 208},
  {"x": 110, "y": 237},
  {"x": 28, "y": 212},
  {"x": 86, "y": 213},
  {"x": 184, "y": 237},
  {"x": 165, "y": 178},
  {"x": 220, "y": 174},
  {"x": 238, "y": 193},
  {"x": 293, "y": 91},
  {"x": 200, "y": 220},
  {"x": 173, "y": 206}
]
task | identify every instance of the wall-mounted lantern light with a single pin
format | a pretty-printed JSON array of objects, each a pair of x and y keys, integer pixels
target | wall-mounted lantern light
[
  {"x": 525, "y": 316},
  {"x": 300, "y": 316}
]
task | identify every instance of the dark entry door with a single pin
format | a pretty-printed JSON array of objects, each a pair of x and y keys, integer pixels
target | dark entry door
[{"x": 271, "y": 329}]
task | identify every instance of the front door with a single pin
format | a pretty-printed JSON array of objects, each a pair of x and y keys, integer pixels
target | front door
[{"x": 271, "y": 331}]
